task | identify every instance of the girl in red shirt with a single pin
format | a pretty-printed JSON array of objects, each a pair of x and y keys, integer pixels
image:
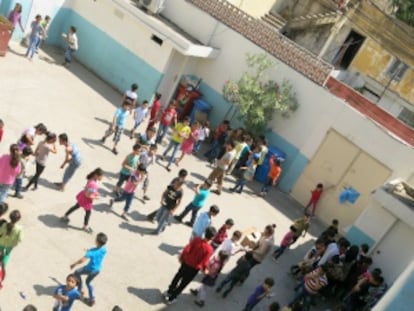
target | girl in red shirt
[{"x": 316, "y": 195}]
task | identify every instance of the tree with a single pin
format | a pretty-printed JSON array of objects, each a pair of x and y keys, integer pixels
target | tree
[
  {"x": 256, "y": 97},
  {"x": 404, "y": 10}
]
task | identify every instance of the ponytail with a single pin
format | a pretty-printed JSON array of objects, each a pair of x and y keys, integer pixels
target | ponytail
[
  {"x": 14, "y": 156},
  {"x": 14, "y": 218},
  {"x": 96, "y": 172}
]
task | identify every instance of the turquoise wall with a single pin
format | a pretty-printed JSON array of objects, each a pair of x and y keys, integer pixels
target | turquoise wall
[
  {"x": 7, "y": 5},
  {"x": 102, "y": 54},
  {"x": 403, "y": 299},
  {"x": 358, "y": 237},
  {"x": 295, "y": 162}
]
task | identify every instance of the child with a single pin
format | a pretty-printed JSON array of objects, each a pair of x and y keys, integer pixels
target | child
[
  {"x": 10, "y": 235},
  {"x": 72, "y": 156},
  {"x": 272, "y": 176},
  {"x": 260, "y": 292},
  {"x": 140, "y": 114},
  {"x": 201, "y": 194},
  {"x": 222, "y": 233},
  {"x": 15, "y": 17},
  {"x": 28, "y": 136},
  {"x": 332, "y": 230},
  {"x": 249, "y": 171},
  {"x": 203, "y": 221},
  {"x": 118, "y": 124},
  {"x": 34, "y": 37},
  {"x": 95, "y": 256},
  {"x": 41, "y": 154},
  {"x": 222, "y": 166},
  {"x": 168, "y": 117},
  {"x": 181, "y": 131},
  {"x": 43, "y": 35},
  {"x": 363, "y": 251},
  {"x": 72, "y": 40},
  {"x": 316, "y": 195},
  {"x": 1, "y": 129},
  {"x": 238, "y": 274},
  {"x": 65, "y": 295},
  {"x": 240, "y": 145},
  {"x": 10, "y": 168},
  {"x": 285, "y": 243},
  {"x": 147, "y": 158},
  {"x": 229, "y": 246},
  {"x": 24, "y": 158},
  {"x": 86, "y": 197},
  {"x": 182, "y": 175},
  {"x": 2, "y": 270},
  {"x": 129, "y": 189},
  {"x": 131, "y": 95},
  {"x": 4, "y": 207},
  {"x": 220, "y": 136},
  {"x": 274, "y": 306},
  {"x": 155, "y": 109},
  {"x": 147, "y": 138},
  {"x": 202, "y": 136},
  {"x": 210, "y": 276},
  {"x": 188, "y": 143},
  {"x": 129, "y": 165}
]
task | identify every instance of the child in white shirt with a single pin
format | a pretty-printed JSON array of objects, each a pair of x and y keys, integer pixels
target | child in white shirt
[
  {"x": 203, "y": 134},
  {"x": 140, "y": 114}
]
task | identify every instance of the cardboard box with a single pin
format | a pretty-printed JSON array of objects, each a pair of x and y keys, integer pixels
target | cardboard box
[{"x": 250, "y": 237}]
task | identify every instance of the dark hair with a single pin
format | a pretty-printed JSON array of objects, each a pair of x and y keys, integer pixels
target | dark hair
[
  {"x": 154, "y": 146},
  {"x": 365, "y": 247},
  {"x": 277, "y": 162},
  {"x": 343, "y": 242},
  {"x": 237, "y": 233},
  {"x": 335, "y": 222},
  {"x": 226, "y": 122},
  {"x": 41, "y": 128},
  {"x": 320, "y": 185},
  {"x": 127, "y": 102},
  {"x": 270, "y": 229},
  {"x": 293, "y": 228},
  {"x": 30, "y": 308},
  {"x": 14, "y": 216},
  {"x": 47, "y": 17},
  {"x": 73, "y": 276},
  {"x": 3, "y": 208},
  {"x": 136, "y": 147},
  {"x": 210, "y": 232},
  {"x": 134, "y": 87},
  {"x": 73, "y": 28},
  {"x": 367, "y": 260},
  {"x": 223, "y": 255},
  {"x": 142, "y": 168},
  {"x": 229, "y": 222},
  {"x": 27, "y": 151},
  {"x": 274, "y": 306},
  {"x": 145, "y": 102},
  {"x": 186, "y": 119},
  {"x": 377, "y": 271},
  {"x": 14, "y": 156},
  {"x": 96, "y": 172},
  {"x": 64, "y": 137},
  {"x": 117, "y": 308},
  {"x": 101, "y": 239},
  {"x": 297, "y": 306},
  {"x": 351, "y": 254},
  {"x": 231, "y": 144},
  {"x": 38, "y": 16},
  {"x": 183, "y": 173},
  {"x": 214, "y": 209},
  {"x": 269, "y": 281},
  {"x": 1, "y": 122},
  {"x": 158, "y": 95},
  {"x": 50, "y": 136}
]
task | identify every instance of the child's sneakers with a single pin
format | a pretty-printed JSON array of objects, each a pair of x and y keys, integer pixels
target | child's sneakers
[{"x": 64, "y": 219}]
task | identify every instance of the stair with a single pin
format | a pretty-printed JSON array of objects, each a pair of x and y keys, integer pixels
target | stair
[
  {"x": 274, "y": 20},
  {"x": 316, "y": 19}
]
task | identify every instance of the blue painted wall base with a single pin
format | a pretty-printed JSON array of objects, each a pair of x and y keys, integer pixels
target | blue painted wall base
[{"x": 357, "y": 236}]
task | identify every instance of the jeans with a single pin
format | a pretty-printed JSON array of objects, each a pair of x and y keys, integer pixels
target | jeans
[
  {"x": 70, "y": 170},
  {"x": 127, "y": 197},
  {"x": 238, "y": 187},
  {"x": 181, "y": 279},
  {"x": 267, "y": 185},
  {"x": 214, "y": 151},
  {"x": 190, "y": 208},
  {"x": 18, "y": 185},
  {"x": 68, "y": 54},
  {"x": 197, "y": 146},
  {"x": 39, "y": 170},
  {"x": 122, "y": 178},
  {"x": 162, "y": 130},
  {"x": 229, "y": 279},
  {"x": 89, "y": 278},
  {"x": 163, "y": 214},
  {"x": 31, "y": 50},
  {"x": 4, "y": 189},
  {"x": 174, "y": 146},
  {"x": 277, "y": 253}
]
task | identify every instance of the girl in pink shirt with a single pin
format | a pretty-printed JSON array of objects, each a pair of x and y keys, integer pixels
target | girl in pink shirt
[
  {"x": 86, "y": 197},
  {"x": 188, "y": 144},
  {"x": 285, "y": 243},
  {"x": 10, "y": 167}
]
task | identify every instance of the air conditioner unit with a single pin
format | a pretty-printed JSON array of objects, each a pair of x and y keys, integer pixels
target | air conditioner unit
[{"x": 152, "y": 6}]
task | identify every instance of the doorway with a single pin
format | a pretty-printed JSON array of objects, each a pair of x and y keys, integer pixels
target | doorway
[{"x": 348, "y": 50}]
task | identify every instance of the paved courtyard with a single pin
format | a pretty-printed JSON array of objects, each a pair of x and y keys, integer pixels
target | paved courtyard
[{"x": 138, "y": 266}]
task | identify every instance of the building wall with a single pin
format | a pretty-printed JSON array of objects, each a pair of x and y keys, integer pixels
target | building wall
[
  {"x": 373, "y": 60},
  {"x": 256, "y": 8}
]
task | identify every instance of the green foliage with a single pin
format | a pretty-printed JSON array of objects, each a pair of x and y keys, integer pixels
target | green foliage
[
  {"x": 405, "y": 10},
  {"x": 256, "y": 97}
]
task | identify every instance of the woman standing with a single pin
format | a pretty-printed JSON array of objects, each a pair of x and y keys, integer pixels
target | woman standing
[
  {"x": 10, "y": 167},
  {"x": 42, "y": 154},
  {"x": 10, "y": 235},
  {"x": 263, "y": 246},
  {"x": 86, "y": 197}
]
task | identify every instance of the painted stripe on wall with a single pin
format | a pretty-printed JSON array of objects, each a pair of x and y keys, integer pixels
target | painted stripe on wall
[
  {"x": 104, "y": 55},
  {"x": 357, "y": 236}
]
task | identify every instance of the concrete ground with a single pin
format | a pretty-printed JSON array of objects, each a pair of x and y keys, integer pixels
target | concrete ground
[{"x": 138, "y": 266}]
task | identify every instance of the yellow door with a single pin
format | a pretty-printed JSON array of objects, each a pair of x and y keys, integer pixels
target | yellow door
[{"x": 339, "y": 163}]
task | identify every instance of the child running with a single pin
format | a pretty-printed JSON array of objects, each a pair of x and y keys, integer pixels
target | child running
[
  {"x": 24, "y": 158},
  {"x": 129, "y": 190},
  {"x": 65, "y": 295},
  {"x": 95, "y": 256},
  {"x": 86, "y": 197},
  {"x": 118, "y": 124},
  {"x": 129, "y": 165},
  {"x": 259, "y": 293},
  {"x": 248, "y": 175},
  {"x": 34, "y": 37},
  {"x": 72, "y": 156},
  {"x": 140, "y": 115},
  {"x": 285, "y": 243},
  {"x": 210, "y": 276},
  {"x": 188, "y": 143},
  {"x": 42, "y": 154}
]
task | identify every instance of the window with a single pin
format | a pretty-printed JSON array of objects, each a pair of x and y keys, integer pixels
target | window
[
  {"x": 407, "y": 116},
  {"x": 348, "y": 50},
  {"x": 396, "y": 70}
]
